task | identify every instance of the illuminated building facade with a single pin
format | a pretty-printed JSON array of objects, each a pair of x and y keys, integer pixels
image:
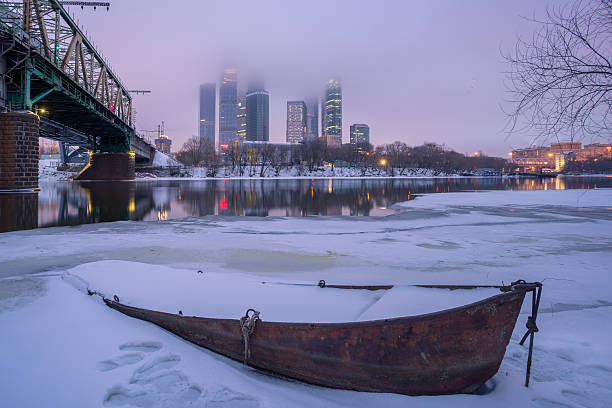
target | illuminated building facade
[
  {"x": 296, "y": 121},
  {"x": 241, "y": 118},
  {"x": 163, "y": 144},
  {"x": 312, "y": 118},
  {"x": 332, "y": 117},
  {"x": 360, "y": 134},
  {"x": 554, "y": 157},
  {"x": 207, "y": 114},
  {"x": 258, "y": 113},
  {"x": 228, "y": 108}
]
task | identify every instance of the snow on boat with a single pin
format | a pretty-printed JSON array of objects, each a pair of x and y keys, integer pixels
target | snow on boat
[{"x": 450, "y": 351}]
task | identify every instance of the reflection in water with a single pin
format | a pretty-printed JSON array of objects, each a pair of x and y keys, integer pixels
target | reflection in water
[
  {"x": 71, "y": 203},
  {"x": 18, "y": 211}
]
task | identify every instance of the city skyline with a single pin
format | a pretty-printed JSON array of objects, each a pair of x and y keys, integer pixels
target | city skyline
[{"x": 452, "y": 96}]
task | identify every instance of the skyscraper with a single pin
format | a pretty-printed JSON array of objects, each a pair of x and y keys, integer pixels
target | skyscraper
[
  {"x": 296, "y": 121},
  {"x": 258, "y": 112},
  {"x": 241, "y": 118},
  {"x": 207, "y": 114},
  {"x": 333, "y": 113},
  {"x": 360, "y": 134},
  {"x": 228, "y": 108},
  {"x": 312, "y": 118}
]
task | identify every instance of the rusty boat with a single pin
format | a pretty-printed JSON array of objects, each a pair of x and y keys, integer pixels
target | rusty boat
[{"x": 446, "y": 352}]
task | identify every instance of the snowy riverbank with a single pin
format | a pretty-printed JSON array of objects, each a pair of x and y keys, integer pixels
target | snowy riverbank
[{"x": 67, "y": 349}]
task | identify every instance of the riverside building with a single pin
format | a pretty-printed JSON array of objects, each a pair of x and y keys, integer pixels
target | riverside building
[
  {"x": 228, "y": 108},
  {"x": 258, "y": 113},
  {"x": 207, "y": 114},
  {"x": 296, "y": 121},
  {"x": 332, "y": 116}
]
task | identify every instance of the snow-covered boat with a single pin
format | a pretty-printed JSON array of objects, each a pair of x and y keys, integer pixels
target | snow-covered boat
[{"x": 450, "y": 351}]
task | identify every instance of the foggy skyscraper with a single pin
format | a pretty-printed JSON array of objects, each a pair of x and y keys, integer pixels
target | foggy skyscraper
[
  {"x": 228, "y": 108},
  {"x": 312, "y": 118},
  {"x": 296, "y": 121},
  {"x": 241, "y": 118},
  {"x": 258, "y": 112},
  {"x": 207, "y": 114},
  {"x": 333, "y": 113}
]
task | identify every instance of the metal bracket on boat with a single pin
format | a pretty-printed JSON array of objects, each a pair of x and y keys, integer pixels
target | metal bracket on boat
[
  {"x": 321, "y": 283},
  {"x": 247, "y": 326},
  {"x": 532, "y": 327}
]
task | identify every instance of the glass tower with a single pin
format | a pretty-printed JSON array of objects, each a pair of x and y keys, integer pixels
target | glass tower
[
  {"x": 258, "y": 113},
  {"x": 360, "y": 134},
  {"x": 332, "y": 119},
  {"x": 207, "y": 114},
  {"x": 312, "y": 118},
  {"x": 241, "y": 118},
  {"x": 228, "y": 108},
  {"x": 296, "y": 121}
]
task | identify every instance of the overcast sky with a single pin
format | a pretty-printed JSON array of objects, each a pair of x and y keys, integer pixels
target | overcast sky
[{"x": 414, "y": 70}]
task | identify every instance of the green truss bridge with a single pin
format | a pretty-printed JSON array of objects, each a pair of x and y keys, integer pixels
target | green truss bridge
[{"x": 51, "y": 69}]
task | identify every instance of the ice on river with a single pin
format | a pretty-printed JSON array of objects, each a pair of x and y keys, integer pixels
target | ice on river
[{"x": 60, "y": 347}]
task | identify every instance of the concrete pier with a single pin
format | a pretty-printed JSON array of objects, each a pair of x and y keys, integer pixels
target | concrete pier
[
  {"x": 19, "y": 153},
  {"x": 109, "y": 166}
]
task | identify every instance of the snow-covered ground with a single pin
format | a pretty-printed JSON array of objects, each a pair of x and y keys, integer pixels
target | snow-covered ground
[
  {"x": 254, "y": 172},
  {"x": 60, "y": 347},
  {"x": 163, "y": 160}
]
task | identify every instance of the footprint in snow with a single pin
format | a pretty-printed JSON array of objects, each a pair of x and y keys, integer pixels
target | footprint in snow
[
  {"x": 144, "y": 346},
  {"x": 154, "y": 384},
  {"x": 157, "y": 364},
  {"x": 119, "y": 361},
  {"x": 228, "y": 398}
]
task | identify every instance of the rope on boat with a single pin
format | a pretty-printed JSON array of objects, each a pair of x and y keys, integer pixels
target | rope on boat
[
  {"x": 247, "y": 326},
  {"x": 532, "y": 327}
]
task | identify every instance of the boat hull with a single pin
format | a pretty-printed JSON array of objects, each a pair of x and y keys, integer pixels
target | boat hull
[{"x": 447, "y": 352}]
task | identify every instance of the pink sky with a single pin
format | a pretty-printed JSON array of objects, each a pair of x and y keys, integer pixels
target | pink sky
[{"x": 415, "y": 71}]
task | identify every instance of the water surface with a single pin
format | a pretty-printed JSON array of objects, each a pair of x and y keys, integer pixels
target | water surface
[{"x": 74, "y": 203}]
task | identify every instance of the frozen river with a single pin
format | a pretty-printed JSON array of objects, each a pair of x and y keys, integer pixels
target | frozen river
[
  {"x": 71, "y": 203},
  {"x": 62, "y": 348}
]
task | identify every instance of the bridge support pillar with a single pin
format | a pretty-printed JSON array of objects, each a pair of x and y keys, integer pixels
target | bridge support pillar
[
  {"x": 109, "y": 166},
  {"x": 19, "y": 152}
]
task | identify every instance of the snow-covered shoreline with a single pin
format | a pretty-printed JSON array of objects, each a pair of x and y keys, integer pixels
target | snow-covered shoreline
[{"x": 67, "y": 349}]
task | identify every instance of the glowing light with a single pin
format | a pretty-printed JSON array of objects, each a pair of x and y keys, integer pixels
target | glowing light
[
  {"x": 383, "y": 162},
  {"x": 550, "y": 154},
  {"x": 42, "y": 110},
  {"x": 476, "y": 154}
]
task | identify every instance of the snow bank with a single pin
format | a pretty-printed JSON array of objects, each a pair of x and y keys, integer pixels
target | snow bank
[
  {"x": 163, "y": 160},
  {"x": 572, "y": 198}
]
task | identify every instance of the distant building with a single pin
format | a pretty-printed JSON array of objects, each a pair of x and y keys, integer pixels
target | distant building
[
  {"x": 312, "y": 118},
  {"x": 565, "y": 147},
  {"x": 207, "y": 114},
  {"x": 296, "y": 121},
  {"x": 332, "y": 117},
  {"x": 258, "y": 113},
  {"x": 228, "y": 108},
  {"x": 554, "y": 157},
  {"x": 360, "y": 134},
  {"x": 47, "y": 146},
  {"x": 163, "y": 144},
  {"x": 241, "y": 118}
]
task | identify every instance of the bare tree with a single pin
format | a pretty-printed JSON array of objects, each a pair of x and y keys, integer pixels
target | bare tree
[
  {"x": 191, "y": 153},
  {"x": 561, "y": 78}
]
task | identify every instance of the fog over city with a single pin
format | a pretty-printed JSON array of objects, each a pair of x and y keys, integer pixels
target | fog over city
[{"x": 414, "y": 71}]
